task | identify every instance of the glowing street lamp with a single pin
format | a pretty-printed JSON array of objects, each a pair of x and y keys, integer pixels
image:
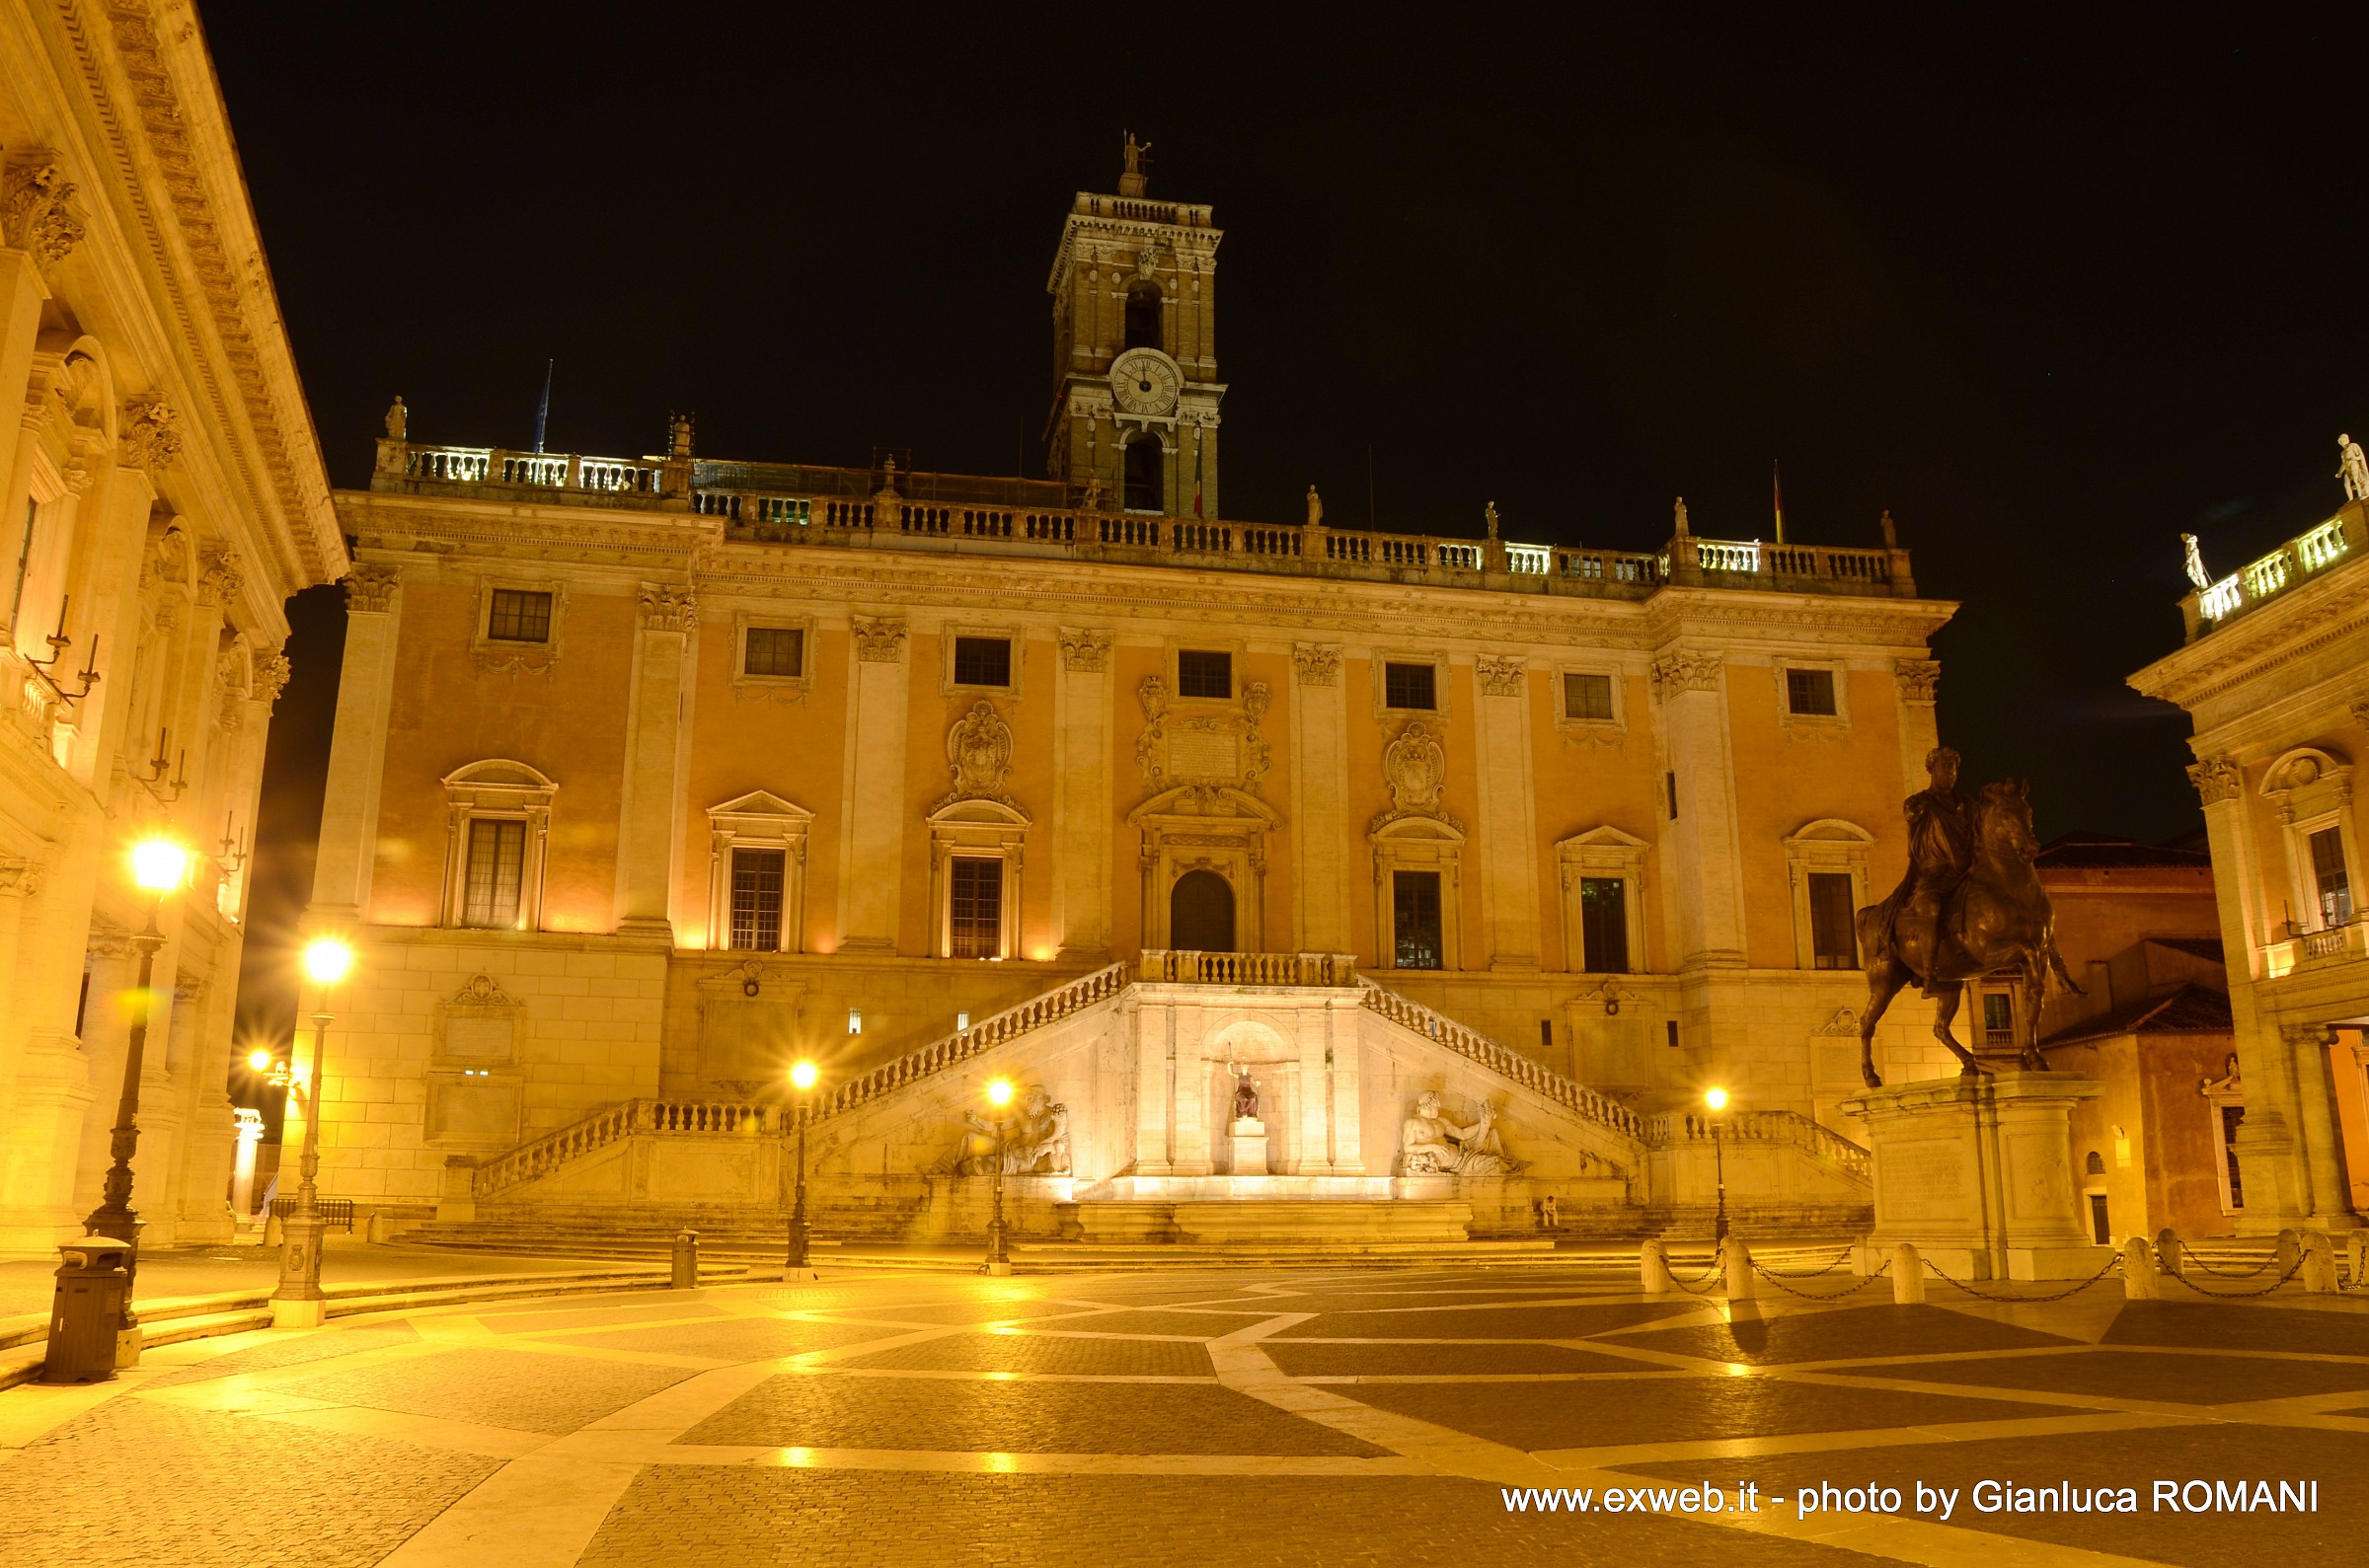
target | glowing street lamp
[
  {"x": 1716, "y": 1099},
  {"x": 999, "y": 1261},
  {"x": 159, "y": 866},
  {"x": 802, "y": 1077},
  {"x": 299, "y": 1302}
]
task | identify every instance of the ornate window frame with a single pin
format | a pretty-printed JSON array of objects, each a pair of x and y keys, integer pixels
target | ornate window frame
[
  {"x": 1378, "y": 663},
  {"x": 2311, "y": 787},
  {"x": 977, "y": 828},
  {"x": 532, "y": 658},
  {"x": 758, "y": 820},
  {"x": 497, "y": 790},
  {"x": 786, "y": 688},
  {"x": 1418, "y": 843},
  {"x": 1613, "y": 729},
  {"x": 1238, "y": 679},
  {"x": 467, "y": 1065},
  {"x": 1603, "y": 853},
  {"x": 1831, "y": 845}
]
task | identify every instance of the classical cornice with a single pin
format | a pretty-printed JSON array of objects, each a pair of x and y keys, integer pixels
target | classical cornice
[
  {"x": 2293, "y": 625},
  {"x": 170, "y": 166}
]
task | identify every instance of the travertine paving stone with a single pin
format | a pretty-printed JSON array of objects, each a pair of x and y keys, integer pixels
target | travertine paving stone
[
  {"x": 735, "y": 1338},
  {"x": 1480, "y": 1322},
  {"x": 687, "y": 1517},
  {"x": 2213, "y": 1326},
  {"x": 1318, "y": 1360},
  {"x": 292, "y": 1351},
  {"x": 134, "y": 1482},
  {"x": 514, "y": 1389},
  {"x": 1578, "y": 1415},
  {"x": 824, "y": 1411},
  {"x": 958, "y": 1312},
  {"x": 1195, "y": 1324},
  {"x": 1044, "y": 1353},
  {"x": 1844, "y": 1331},
  {"x": 642, "y": 1311}
]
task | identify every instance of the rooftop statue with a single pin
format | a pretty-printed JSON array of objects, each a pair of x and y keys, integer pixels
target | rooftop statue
[
  {"x": 1135, "y": 154},
  {"x": 2352, "y": 468},
  {"x": 1970, "y": 905},
  {"x": 399, "y": 420},
  {"x": 1316, "y": 508},
  {"x": 2194, "y": 557}
]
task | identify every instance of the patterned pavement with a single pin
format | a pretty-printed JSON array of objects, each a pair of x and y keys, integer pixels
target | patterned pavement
[{"x": 1239, "y": 1418}]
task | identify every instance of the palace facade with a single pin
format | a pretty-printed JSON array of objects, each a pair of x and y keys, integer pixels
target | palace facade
[
  {"x": 2275, "y": 675},
  {"x": 161, "y": 497},
  {"x": 653, "y": 773}
]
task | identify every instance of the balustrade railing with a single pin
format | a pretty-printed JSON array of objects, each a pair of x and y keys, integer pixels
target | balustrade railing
[
  {"x": 2304, "y": 556},
  {"x": 1183, "y": 966},
  {"x": 545, "y": 1155},
  {"x": 1758, "y": 1127},
  {"x": 1474, "y": 1046}
]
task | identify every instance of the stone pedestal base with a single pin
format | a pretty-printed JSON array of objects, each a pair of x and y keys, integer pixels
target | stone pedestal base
[
  {"x": 294, "y": 1314},
  {"x": 1977, "y": 1173},
  {"x": 1249, "y": 1137}
]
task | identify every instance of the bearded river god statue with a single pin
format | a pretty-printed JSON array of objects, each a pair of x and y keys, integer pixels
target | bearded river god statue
[
  {"x": 1972, "y": 905},
  {"x": 1430, "y": 1145}
]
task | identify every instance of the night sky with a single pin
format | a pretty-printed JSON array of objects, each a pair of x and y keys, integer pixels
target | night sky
[{"x": 2051, "y": 290}]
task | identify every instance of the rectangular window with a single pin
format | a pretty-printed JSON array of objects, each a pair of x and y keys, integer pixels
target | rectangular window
[
  {"x": 519, "y": 617},
  {"x": 757, "y": 899},
  {"x": 1833, "y": 912},
  {"x": 1410, "y": 686},
  {"x": 1809, "y": 692},
  {"x": 497, "y": 877},
  {"x": 1588, "y": 697},
  {"x": 978, "y": 909},
  {"x": 1201, "y": 673},
  {"x": 2332, "y": 882},
  {"x": 1998, "y": 1020},
  {"x": 2232, "y": 1117},
  {"x": 1414, "y": 918},
  {"x": 983, "y": 662},
  {"x": 774, "y": 651},
  {"x": 1604, "y": 925}
]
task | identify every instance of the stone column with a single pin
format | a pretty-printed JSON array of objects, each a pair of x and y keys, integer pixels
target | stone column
[
  {"x": 2316, "y": 1116},
  {"x": 1509, "y": 914},
  {"x": 357, "y": 751},
  {"x": 21, "y": 294},
  {"x": 872, "y": 805},
  {"x": 1703, "y": 870},
  {"x": 1319, "y": 788},
  {"x": 1083, "y": 822},
  {"x": 653, "y": 741}
]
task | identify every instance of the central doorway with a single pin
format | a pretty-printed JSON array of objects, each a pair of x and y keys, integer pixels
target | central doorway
[{"x": 1200, "y": 912}]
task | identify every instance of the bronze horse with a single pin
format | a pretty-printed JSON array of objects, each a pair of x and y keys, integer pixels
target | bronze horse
[{"x": 1998, "y": 918}]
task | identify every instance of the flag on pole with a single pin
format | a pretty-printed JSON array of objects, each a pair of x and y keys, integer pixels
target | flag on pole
[
  {"x": 1776, "y": 497},
  {"x": 1196, "y": 471}
]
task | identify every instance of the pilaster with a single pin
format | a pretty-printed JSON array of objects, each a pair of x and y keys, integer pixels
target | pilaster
[
  {"x": 357, "y": 751},
  {"x": 652, "y": 803},
  {"x": 1319, "y": 788},
  {"x": 1510, "y": 848},
  {"x": 1701, "y": 835},
  {"x": 1083, "y": 813},
  {"x": 872, "y": 823}
]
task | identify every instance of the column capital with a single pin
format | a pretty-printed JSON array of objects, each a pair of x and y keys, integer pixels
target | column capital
[
  {"x": 36, "y": 207},
  {"x": 2217, "y": 778},
  {"x": 370, "y": 590}
]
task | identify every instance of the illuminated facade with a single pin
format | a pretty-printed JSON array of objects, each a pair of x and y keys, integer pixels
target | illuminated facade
[
  {"x": 161, "y": 496},
  {"x": 651, "y": 773}
]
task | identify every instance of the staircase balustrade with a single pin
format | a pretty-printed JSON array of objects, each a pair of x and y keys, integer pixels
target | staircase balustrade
[
  {"x": 1762, "y": 1127},
  {"x": 606, "y": 1126},
  {"x": 1184, "y": 966},
  {"x": 1533, "y": 1076}
]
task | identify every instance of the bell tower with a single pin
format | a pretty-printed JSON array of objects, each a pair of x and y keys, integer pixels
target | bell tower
[{"x": 1135, "y": 388}]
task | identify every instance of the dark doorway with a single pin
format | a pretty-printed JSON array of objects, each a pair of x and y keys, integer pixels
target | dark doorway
[
  {"x": 1146, "y": 489},
  {"x": 2098, "y": 1221},
  {"x": 1200, "y": 912}
]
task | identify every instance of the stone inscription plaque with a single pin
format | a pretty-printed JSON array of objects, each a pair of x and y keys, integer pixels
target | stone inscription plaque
[
  {"x": 1924, "y": 1179},
  {"x": 1202, "y": 755}
]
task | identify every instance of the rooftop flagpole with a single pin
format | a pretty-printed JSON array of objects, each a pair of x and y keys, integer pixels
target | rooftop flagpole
[
  {"x": 543, "y": 408},
  {"x": 1776, "y": 497}
]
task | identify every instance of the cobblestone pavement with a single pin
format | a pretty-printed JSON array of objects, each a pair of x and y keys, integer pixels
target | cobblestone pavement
[
  {"x": 1243, "y": 1418},
  {"x": 27, "y": 1284}
]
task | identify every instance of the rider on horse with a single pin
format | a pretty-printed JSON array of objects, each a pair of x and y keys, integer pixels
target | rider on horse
[{"x": 1940, "y": 852}]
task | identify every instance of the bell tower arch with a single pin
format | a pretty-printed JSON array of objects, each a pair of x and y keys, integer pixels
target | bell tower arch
[{"x": 1134, "y": 287}]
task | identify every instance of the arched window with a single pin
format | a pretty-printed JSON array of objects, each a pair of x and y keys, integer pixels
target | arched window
[
  {"x": 1143, "y": 316},
  {"x": 1200, "y": 912},
  {"x": 1146, "y": 489}
]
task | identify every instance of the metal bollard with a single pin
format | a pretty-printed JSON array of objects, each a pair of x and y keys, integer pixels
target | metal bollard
[
  {"x": 2139, "y": 1282},
  {"x": 2167, "y": 1251},
  {"x": 86, "y": 1315},
  {"x": 1908, "y": 1275},
  {"x": 2318, "y": 1263},
  {"x": 686, "y": 1260},
  {"x": 1738, "y": 1256},
  {"x": 1653, "y": 1268}
]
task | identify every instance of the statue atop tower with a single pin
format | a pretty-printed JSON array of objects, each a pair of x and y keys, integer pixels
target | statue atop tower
[{"x": 1137, "y": 166}]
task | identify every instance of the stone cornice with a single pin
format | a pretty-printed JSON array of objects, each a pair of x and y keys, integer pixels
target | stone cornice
[
  {"x": 2290, "y": 627},
  {"x": 164, "y": 167}
]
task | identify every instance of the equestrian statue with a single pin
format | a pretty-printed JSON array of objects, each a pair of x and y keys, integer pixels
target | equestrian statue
[{"x": 1970, "y": 905}]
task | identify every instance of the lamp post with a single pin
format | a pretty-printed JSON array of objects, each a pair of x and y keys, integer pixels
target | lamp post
[
  {"x": 999, "y": 1262},
  {"x": 1716, "y": 1099},
  {"x": 158, "y": 866},
  {"x": 801, "y": 1079},
  {"x": 299, "y": 1302}
]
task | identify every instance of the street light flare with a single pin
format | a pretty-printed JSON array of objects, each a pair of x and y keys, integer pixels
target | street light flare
[
  {"x": 803, "y": 1076},
  {"x": 999, "y": 1091},
  {"x": 259, "y": 1061},
  {"x": 327, "y": 960},
  {"x": 159, "y": 864},
  {"x": 1716, "y": 1099}
]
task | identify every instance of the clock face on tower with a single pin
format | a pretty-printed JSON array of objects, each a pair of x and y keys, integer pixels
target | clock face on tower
[{"x": 1144, "y": 381}]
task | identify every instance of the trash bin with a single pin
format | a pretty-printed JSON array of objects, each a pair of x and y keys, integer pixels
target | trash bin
[
  {"x": 87, "y": 1312},
  {"x": 686, "y": 1260}
]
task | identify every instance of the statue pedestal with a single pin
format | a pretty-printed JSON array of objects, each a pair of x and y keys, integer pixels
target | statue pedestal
[
  {"x": 1977, "y": 1172},
  {"x": 1249, "y": 1137}
]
